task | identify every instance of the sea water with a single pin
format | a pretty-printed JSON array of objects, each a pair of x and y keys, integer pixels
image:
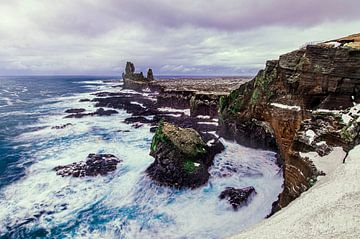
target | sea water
[{"x": 37, "y": 203}]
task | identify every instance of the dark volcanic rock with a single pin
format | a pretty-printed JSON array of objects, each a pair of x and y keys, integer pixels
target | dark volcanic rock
[
  {"x": 84, "y": 100},
  {"x": 237, "y": 197},
  {"x": 181, "y": 157},
  {"x": 133, "y": 80},
  {"x": 99, "y": 112},
  {"x": 61, "y": 126},
  {"x": 150, "y": 75},
  {"x": 75, "y": 111},
  {"x": 96, "y": 164}
]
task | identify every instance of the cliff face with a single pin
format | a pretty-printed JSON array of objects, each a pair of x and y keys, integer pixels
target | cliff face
[{"x": 298, "y": 103}]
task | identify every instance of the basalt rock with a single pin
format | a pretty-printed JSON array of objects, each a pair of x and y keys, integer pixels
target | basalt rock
[
  {"x": 237, "y": 197},
  {"x": 75, "y": 111},
  {"x": 136, "y": 81},
  {"x": 181, "y": 157},
  {"x": 285, "y": 94},
  {"x": 98, "y": 112},
  {"x": 95, "y": 164},
  {"x": 205, "y": 104},
  {"x": 61, "y": 126}
]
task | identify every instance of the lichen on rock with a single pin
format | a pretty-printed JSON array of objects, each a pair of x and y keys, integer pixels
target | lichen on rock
[{"x": 181, "y": 157}]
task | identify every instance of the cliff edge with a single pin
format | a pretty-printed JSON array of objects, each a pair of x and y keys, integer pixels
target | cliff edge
[{"x": 303, "y": 105}]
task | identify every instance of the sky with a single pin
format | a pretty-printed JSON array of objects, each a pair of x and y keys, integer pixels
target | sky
[{"x": 173, "y": 37}]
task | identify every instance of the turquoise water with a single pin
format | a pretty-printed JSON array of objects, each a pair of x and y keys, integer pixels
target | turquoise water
[{"x": 36, "y": 203}]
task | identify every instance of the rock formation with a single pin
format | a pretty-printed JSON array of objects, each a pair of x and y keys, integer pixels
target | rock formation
[
  {"x": 237, "y": 197},
  {"x": 181, "y": 157},
  {"x": 95, "y": 164},
  {"x": 298, "y": 103},
  {"x": 136, "y": 81}
]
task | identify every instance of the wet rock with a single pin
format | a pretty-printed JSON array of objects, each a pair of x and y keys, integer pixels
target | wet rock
[
  {"x": 95, "y": 164},
  {"x": 181, "y": 157},
  {"x": 237, "y": 197},
  {"x": 137, "y": 119},
  {"x": 61, "y": 126},
  {"x": 98, "y": 112},
  {"x": 84, "y": 100},
  {"x": 75, "y": 111}
]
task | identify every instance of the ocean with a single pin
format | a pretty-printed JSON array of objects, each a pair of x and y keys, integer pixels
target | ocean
[{"x": 37, "y": 203}]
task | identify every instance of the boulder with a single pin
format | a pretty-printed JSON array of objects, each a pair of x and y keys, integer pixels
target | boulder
[
  {"x": 95, "y": 164},
  {"x": 181, "y": 157},
  {"x": 237, "y": 197}
]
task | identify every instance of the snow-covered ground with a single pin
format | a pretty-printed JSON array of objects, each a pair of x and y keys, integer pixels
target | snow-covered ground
[{"x": 330, "y": 209}]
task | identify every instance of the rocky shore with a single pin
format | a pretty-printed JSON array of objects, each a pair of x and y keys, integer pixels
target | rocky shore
[
  {"x": 305, "y": 106},
  {"x": 307, "y": 101}
]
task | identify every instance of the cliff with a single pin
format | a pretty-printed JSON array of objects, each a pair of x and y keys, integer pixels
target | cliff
[{"x": 306, "y": 101}]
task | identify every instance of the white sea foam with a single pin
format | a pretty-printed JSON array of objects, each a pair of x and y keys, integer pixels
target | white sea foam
[{"x": 127, "y": 202}]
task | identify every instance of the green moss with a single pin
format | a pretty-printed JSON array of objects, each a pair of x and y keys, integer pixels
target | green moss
[
  {"x": 189, "y": 166},
  {"x": 312, "y": 181},
  {"x": 345, "y": 134},
  {"x": 158, "y": 137},
  {"x": 223, "y": 101},
  {"x": 255, "y": 96},
  {"x": 236, "y": 106}
]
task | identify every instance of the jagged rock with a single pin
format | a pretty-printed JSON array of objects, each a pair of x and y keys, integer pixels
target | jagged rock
[
  {"x": 95, "y": 164},
  {"x": 84, "y": 100},
  {"x": 150, "y": 76},
  {"x": 204, "y": 104},
  {"x": 237, "y": 197},
  {"x": 98, "y": 112},
  {"x": 129, "y": 68},
  {"x": 133, "y": 80},
  {"x": 286, "y": 93},
  {"x": 181, "y": 157},
  {"x": 75, "y": 111}
]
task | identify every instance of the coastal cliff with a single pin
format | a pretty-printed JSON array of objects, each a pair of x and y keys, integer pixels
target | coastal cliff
[{"x": 306, "y": 101}]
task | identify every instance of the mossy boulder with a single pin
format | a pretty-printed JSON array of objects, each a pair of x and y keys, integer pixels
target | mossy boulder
[{"x": 181, "y": 157}]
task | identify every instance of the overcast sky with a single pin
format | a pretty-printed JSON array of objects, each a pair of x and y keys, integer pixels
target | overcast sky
[{"x": 174, "y": 37}]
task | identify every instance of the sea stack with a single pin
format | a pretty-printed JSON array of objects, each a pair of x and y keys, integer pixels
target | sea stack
[
  {"x": 181, "y": 157},
  {"x": 136, "y": 81}
]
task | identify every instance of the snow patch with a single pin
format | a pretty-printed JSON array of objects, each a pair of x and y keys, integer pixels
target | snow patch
[
  {"x": 311, "y": 134},
  {"x": 287, "y": 107}
]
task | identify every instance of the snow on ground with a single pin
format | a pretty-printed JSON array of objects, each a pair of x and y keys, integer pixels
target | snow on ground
[
  {"x": 329, "y": 210},
  {"x": 203, "y": 116},
  {"x": 286, "y": 107},
  {"x": 327, "y": 163},
  {"x": 311, "y": 134}
]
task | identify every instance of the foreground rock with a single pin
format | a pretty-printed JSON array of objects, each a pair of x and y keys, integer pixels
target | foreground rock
[
  {"x": 305, "y": 101},
  {"x": 95, "y": 164},
  {"x": 237, "y": 197},
  {"x": 181, "y": 157}
]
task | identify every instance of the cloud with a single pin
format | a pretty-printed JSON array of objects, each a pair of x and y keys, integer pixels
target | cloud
[{"x": 182, "y": 37}]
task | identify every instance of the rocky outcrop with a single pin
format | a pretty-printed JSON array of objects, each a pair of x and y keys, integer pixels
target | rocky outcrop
[
  {"x": 78, "y": 113},
  {"x": 95, "y": 164},
  {"x": 281, "y": 101},
  {"x": 203, "y": 103},
  {"x": 136, "y": 81},
  {"x": 237, "y": 197},
  {"x": 181, "y": 157}
]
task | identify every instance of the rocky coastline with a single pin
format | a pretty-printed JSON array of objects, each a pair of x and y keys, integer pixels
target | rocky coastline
[{"x": 303, "y": 104}]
